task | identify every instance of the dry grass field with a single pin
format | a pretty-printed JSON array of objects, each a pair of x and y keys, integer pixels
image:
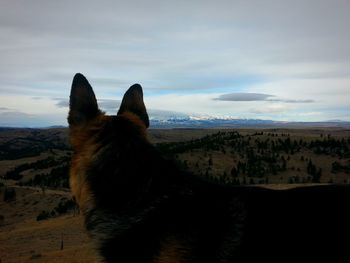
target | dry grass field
[{"x": 24, "y": 239}]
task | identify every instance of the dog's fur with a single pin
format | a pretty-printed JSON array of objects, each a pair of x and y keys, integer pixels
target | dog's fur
[{"x": 139, "y": 207}]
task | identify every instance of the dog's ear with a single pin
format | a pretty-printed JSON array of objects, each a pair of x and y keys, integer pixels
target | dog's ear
[
  {"x": 133, "y": 102},
  {"x": 82, "y": 105}
]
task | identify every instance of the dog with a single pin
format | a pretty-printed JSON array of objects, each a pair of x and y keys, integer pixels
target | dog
[{"x": 140, "y": 207}]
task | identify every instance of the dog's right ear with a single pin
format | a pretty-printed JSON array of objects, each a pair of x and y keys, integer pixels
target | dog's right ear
[
  {"x": 133, "y": 102},
  {"x": 82, "y": 105}
]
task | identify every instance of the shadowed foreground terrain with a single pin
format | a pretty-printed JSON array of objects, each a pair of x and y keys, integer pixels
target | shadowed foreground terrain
[
  {"x": 24, "y": 237},
  {"x": 40, "y": 223}
]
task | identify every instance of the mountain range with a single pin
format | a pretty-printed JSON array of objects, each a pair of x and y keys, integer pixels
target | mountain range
[{"x": 208, "y": 122}]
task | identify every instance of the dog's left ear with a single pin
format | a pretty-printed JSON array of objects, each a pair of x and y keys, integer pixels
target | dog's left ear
[
  {"x": 133, "y": 102},
  {"x": 82, "y": 105}
]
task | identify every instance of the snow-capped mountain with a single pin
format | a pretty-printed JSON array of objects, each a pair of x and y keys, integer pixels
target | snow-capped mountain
[{"x": 215, "y": 122}]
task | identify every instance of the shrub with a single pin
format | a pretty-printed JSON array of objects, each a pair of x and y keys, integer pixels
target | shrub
[
  {"x": 43, "y": 215},
  {"x": 35, "y": 256},
  {"x": 64, "y": 205},
  {"x": 9, "y": 195}
]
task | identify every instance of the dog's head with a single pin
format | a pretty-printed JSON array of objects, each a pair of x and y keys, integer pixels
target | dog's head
[{"x": 107, "y": 149}]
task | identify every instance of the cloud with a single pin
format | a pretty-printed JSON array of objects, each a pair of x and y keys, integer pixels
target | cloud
[
  {"x": 257, "y": 97},
  {"x": 165, "y": 114},
  {"x": 291, "y": 100},
  {"x": 21, "y": 119},
  {"x": 296, "y": 50},
  {"x": 108, "y": 105},
  {"x": 62, "y": 103},
  {"x": 244, "y": 97},
  {"x": 111, "y": 107},
  {"x": 4, "y": 109},
  {"x": 208, "y": 49},
  {"x": 270, "y": 109}
]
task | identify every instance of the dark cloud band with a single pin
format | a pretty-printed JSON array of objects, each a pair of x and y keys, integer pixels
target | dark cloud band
[
  {"x": 257, "y": 97},
  {"x": 244, "y": 97}
]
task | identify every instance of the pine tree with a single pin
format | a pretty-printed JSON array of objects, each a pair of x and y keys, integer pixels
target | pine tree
[{"x": 234, "y": 172}]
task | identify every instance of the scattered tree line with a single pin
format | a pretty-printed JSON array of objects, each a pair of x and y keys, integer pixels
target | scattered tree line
[
  {"x": 338, "y": 167},
  {"x": 65, "y": 205},
  {"x": 56, "y": 177},
  {"x": 15, "y": 174},
  {"x": 208, "y": 142},
  {"x": 259, "y": 157}
]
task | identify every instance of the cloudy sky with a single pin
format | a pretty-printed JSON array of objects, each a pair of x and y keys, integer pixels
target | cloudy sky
[{"x": 281, "y": 60}]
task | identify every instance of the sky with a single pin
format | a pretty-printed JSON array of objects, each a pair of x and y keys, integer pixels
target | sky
[{"x": 276, "y": 60}]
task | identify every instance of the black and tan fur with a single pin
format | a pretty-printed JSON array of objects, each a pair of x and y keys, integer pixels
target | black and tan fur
[{"x": 139, "y": 207}]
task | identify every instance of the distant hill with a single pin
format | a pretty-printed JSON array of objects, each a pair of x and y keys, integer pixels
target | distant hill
[
  {"x": 203, "y": 123},
  {"x": 18, "y": 143},
  {"x": 213, "y": 122}
]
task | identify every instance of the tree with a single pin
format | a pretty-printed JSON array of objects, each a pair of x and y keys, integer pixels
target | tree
[
  {"x": 284, "y": 164},
  {"x": 234, "y": 172},
  {"x": 311, "y": 168},
  {"x": 316, "y": 177}
]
